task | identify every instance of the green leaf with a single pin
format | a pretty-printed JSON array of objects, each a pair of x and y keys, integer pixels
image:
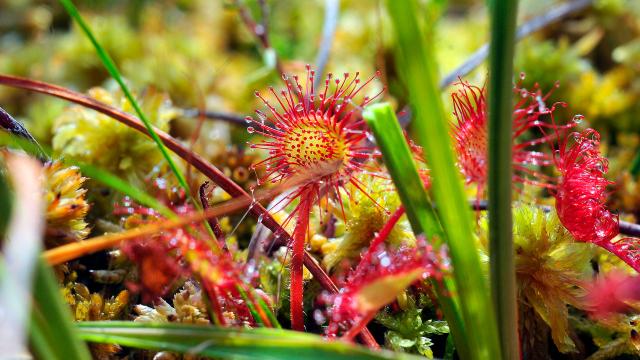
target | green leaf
[
  {"x": 416, "y": 63},
  {"x": 500, "y": 92},
  {"x": 228, "y": 343},
  {"x": 113, "y": 71}
]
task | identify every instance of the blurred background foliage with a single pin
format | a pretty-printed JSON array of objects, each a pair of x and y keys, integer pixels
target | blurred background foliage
[{"x": 200, "y": 52}]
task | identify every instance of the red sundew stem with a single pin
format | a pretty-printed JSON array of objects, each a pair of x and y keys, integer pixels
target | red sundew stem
[
  {"x": 297, "y": 258},
  {"x": 194, "y": 159},
  {"x": 622, "y": 255},
  {"x": 213, "y": 221},
  {"x": 359, "y": 326},
  {"x": 215, "y": 303},
  {"x": 383, "y": 234}
]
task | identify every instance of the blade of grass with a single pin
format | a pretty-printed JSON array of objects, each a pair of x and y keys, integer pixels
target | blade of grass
[
  {"x": 40, "y": 337},
  {"x": 228, "y": 343},
  {"x": 397, "y": 156},
  {"x": 120, "y": 185},
  {"x": 51, "y": 337},
  {"x": 48, "y": 299},
  {"x": 20, "y": 249},
  {"x": 6, "y": 204},
  {"x": 500, "y": 92},
  {"x": 418, "y": 68},
  {"x": 113, "y": 71}
]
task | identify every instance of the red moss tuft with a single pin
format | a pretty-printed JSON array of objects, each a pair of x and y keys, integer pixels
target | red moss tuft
[{"x": 188, "y": 251}]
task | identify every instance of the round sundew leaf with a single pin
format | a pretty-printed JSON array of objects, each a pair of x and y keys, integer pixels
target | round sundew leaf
[{"x": 384, "y": 290}]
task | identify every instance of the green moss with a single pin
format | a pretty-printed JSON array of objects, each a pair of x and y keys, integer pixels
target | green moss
[
  {"x": 550, "y": 268},
  {"x": 90, "y": 137}
]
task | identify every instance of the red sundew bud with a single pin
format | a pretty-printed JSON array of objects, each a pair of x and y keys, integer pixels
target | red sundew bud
[
  {"x": 581, "y": 196},
  {"x": 581, "y": 192}
]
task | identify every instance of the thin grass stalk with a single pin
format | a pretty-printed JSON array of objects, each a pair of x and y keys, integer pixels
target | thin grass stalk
[
  {"x": 500, "y": 92},
  {"x": 397, "y": 156},
  {"x": 418, "y": 68}
]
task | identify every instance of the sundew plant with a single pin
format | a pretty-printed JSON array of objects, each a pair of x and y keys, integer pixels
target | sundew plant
[{"x": 320, "y": 179}]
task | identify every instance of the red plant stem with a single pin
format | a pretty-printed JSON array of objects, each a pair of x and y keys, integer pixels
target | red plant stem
[
  {"x": 207, "y": 169},
  {"x": 215, "y": 303},
  {"x": 213, "y": 221},
  {"x": 359, "y": 326},
  {"x": 621, "y": 254},
  {"x": 297, "y": 255},
  {"x": 383, "y": 234}
]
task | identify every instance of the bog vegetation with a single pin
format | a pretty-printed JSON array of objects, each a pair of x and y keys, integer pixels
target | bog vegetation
[{"x": 320, "y": 179}]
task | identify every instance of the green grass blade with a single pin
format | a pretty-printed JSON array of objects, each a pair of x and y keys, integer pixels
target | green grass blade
[
  {"x": 397, "y": 156},
  {"x": 6, "y": 202},
  {"x": 113, "y": 71},
  {"x": 417, "y": 65},
  {"x": 635, "y": 165},
  {"x": 500, "y": 92},
  {"x": 229, "y": 343},
  {"x": 48, "y": 300},
  {"x": 40, "y": 337},
  {"x": 102, "y": 176},
  {"x": 382, "y": 120},
  {"x": 118, "y": 184}
]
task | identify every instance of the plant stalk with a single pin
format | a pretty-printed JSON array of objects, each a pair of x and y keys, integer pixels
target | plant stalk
[
  {"x": 297, "y": 252},
  {"x": 500, "y": 92}
]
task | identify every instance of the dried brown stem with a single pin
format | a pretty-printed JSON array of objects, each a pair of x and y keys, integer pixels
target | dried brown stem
[{"x": 213, "y": 222}]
